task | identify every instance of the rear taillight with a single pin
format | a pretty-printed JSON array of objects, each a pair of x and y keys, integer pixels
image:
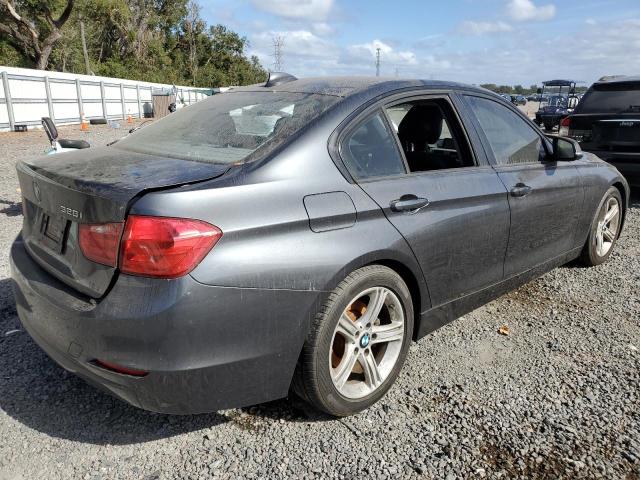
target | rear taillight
[
  {"x": 565, "y": 125},
  {"x": 99, "y": 242},
  {"x": 165, "y": 247},
  {"x": 114, "y": 367}
]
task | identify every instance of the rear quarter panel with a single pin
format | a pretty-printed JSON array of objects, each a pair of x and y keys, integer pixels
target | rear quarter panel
[{"x": 267, "y": 239}]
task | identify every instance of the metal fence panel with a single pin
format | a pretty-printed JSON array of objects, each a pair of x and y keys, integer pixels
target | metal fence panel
[{"x": 27, "y": 95}]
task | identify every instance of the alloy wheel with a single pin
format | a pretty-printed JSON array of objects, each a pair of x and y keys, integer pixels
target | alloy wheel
[
  {"x": 367, "y": 342},
  {"x": 608, "y": 225}
]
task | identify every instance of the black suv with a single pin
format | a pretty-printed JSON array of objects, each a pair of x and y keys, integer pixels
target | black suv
[{"x": 607, "y": 123}]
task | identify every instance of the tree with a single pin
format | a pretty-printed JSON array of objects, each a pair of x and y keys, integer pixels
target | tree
[
  {"x": 29, "y": 26},
  {"x": 490, "y": 86},
  {"x": 164, "y": 41}
]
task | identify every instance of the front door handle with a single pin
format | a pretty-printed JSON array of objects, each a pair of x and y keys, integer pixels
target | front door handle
[
  {"x": 520, "y": 190},
  {"x": 408, "y": 203}
]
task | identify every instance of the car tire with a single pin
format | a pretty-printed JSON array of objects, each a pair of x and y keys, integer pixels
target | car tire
[
  {"x": 326, "y": 375},
  {"x": 548, "y": 127},
  {"x": 605, "y": 229}
]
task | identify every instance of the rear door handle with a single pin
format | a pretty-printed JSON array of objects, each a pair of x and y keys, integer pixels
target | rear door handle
[
  {"x": 520, "y": 190},
  {"x": 408, "y": 203}
]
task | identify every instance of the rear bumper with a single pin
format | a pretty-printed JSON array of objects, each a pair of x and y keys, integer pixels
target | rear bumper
[
  {"x": 205, "y": 348},
  {"x": 549, "y": 118}
]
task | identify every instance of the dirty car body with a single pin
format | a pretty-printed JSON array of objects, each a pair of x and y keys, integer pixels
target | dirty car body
[{"x": 296, "y": 195}]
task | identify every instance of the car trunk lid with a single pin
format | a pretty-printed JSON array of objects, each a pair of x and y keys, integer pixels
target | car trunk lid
[
  {"x": 94, "y": 185},
  {"x": 611, "y": 132}
]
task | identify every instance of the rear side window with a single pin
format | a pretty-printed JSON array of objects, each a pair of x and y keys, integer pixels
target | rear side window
[
  {"x": 430, "y": 136},
  {"x": 617, "y": 97},
  {"x": 370, "y": 150},
  {"x": 512, "y": 140},
  {"x": 229, "y": 127}
]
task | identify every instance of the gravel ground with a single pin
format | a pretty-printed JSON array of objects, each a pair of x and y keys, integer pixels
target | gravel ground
[{"x": 558, "y": 397}]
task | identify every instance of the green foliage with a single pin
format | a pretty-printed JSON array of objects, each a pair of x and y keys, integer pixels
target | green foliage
[
  {"x": 515, "y": 90},
  {"x": 163, "y": 41}
]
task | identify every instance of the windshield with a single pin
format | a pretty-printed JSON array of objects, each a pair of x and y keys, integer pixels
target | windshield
[
  {"x": 557, "y": 101},
  {"x": 228, "y": 127},
  {"x": 614, "y": 98}
]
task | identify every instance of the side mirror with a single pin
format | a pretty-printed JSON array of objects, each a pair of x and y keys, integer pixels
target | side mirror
[
  {"x": 539, "y": 91},
  {"x": 565, "y": 149}
]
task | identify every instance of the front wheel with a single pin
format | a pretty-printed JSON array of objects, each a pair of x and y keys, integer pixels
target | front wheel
[
  {"x": 358, "y": 342},
  {"x": 605, "y": 229}
]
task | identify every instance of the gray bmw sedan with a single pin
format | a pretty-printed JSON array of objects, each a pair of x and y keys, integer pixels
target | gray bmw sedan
[{"x": 296, "y": 235}]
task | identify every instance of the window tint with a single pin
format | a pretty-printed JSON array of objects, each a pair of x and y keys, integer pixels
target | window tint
[
  {"x": 612, "y": 98},
  {"x": 429, "y": 135},
  {"x": 371, "y": 151},
  {"x": 512, "y": 140}
]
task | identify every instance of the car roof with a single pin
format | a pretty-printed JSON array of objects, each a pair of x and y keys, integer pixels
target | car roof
[
  {"x": 619, "y": 79},
  {"x": 347, "y": 86},
  {"x": 558, "y": 83}
]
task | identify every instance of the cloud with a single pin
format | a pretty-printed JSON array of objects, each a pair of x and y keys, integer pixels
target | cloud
[
  {"x": 483, "y": 28},
  {"x": 312, "y": 10},
  {"x": 322, "y": 29},
  {"x": 518, "y": 61},
  {"x": 524, "y": 10},
  {"x": 387, "y": 53}
]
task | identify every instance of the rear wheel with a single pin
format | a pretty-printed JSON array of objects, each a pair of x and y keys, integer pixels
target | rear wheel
[
  {"x": 605, "y": 229},
  {"x": 358, "y": 342}
]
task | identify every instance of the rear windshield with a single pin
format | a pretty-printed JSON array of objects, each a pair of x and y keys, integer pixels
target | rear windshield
[
  {"x": 613, "y": 98},
  {"x": 228, "y": 127}
]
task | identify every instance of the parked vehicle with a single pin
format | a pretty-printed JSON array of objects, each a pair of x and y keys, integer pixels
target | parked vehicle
[
  {"x": 59, "y": 145},
  {"x": 518, "y": 100},
  {"x": 298, "y": 234},
  {"x": 607, "y": 122},
  {"x": 558, "y": 101}
]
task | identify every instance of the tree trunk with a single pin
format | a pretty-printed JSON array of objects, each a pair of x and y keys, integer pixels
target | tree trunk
[
  {"x": 84, "y": 48},
  {"x": 42, "y": 57},
  {"x": 24, "y": 32}
]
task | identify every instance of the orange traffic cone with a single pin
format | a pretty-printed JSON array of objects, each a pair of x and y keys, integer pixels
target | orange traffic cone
[
  {"x": 129, "y": 119},
  {"x": 84, "y": 125}
]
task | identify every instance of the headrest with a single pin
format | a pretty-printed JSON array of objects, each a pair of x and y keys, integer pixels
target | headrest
[{"x": 422, "y": 125}]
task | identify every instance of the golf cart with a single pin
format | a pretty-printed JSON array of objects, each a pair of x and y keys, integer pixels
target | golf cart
[{"x": 558, "y": 99}]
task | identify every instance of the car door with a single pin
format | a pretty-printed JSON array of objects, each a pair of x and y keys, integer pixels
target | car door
[
  {"x": 545, "y": 197},
  {"x": 456, "y": 217}
]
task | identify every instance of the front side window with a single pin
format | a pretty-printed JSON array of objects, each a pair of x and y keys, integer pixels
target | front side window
[
  {"x": 512, "y": 140},
  {"x": 228, "y": 127},
  {"x": 370, "y": 150}
]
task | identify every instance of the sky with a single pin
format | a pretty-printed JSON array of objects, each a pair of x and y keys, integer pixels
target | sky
[{"x": 507, "y": 42}]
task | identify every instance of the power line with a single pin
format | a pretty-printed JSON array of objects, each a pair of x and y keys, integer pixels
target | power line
[
  {"x": 278, "y": 45},
  {"x": 378, "y": 62}
]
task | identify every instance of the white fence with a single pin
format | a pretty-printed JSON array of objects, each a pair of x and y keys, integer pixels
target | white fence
[{"x": 28, "y": 95}]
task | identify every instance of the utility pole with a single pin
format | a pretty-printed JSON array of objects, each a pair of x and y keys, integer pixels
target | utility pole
[
  {"x": 278, "y": 45},
  {"x": 84, "y": 46},
  {"x": 378, "y": 62}
]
